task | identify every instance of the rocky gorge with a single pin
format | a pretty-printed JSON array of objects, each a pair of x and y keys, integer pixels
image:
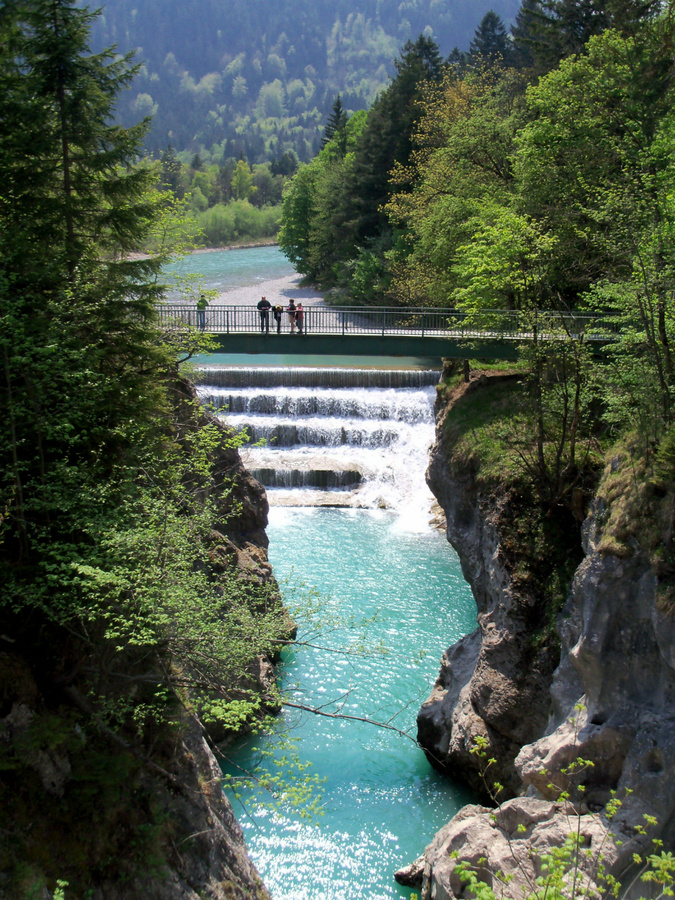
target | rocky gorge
[
  {"x": 596, "y": 684},
  {"x": 83, "y": 806}
]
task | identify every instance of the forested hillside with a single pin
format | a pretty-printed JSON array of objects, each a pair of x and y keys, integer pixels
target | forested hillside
[
  {"x": 541, "y": 159},
  {"x": 126, "y": 515},
  {"x": 540, "y": 183},
  {"x": 255, "y": 79}
]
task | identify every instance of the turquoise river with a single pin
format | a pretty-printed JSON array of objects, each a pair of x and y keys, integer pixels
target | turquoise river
[{"x": 378, "y": 595}]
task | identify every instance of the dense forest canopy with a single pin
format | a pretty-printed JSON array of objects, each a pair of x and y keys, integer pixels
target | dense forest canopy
[{"x": 256, "y": 79}]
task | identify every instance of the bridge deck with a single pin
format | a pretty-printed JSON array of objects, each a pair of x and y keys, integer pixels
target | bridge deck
[{"x": 390, "y": 331}]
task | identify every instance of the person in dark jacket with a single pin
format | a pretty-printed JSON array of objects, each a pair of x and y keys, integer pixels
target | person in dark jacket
[{"x": 264, "y": 307}]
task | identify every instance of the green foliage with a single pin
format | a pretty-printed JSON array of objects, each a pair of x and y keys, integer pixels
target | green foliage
[
  {"x": 547, "y": 31},
  {"x": 238, "y": 220},
  {"x": 280, "y": 781},
  {"x": 123, "y": 612},
  {"x": 368, "y": 279},
  {"x": 550, "y": 200},
  {"x": 333, "y": 212},
  {"x": 462, "y": 182},
  {"x": 664, "y": 464},
  {"x": 242, "y": 181},
  {"x": 227, "y": 202}
]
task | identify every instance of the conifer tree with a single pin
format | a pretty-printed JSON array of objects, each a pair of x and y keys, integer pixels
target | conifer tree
[
  {"x": 490, "y": 44},
  {"x": 77, "y": 336},
  {"x": 388, "y": 137},
  {"x": 547, "y": 31},
  {"x": 526, "y": 34},
  {"x": 457, "y": 60},
  {"x": 335, "y": 126},
  {"x": 171, "y": 172}
]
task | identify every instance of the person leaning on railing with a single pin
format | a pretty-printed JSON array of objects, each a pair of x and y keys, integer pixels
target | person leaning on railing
[
  {"x": 264, "y": 307},
  {"x": 291, "y": 309}
]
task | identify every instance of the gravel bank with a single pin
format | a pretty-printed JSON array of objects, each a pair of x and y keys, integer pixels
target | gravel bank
[{"x": 278, "y": 290}]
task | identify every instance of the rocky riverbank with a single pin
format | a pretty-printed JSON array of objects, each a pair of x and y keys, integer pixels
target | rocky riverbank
[{"x": 600, "y": 687}]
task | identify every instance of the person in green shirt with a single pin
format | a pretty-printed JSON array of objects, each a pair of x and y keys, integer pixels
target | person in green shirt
[{"x": 202, "y": 303}]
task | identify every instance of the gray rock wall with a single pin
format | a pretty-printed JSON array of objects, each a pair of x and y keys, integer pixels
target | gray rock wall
[
  {"x": 610, "y": 701},
  {"x": 487, "y": 681}
]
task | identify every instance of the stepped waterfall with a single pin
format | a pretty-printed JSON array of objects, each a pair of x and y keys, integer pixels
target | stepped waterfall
[{"x": 354, "y": 438}]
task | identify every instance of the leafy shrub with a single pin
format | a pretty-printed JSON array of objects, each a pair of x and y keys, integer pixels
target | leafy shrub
[{"x": 236, "y": 221}]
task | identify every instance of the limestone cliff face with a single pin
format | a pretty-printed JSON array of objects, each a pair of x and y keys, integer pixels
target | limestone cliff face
[
  {"x": 613, "y": 696},
  {"x": 611, "y": 699},
  {"x": 494, "y": 683}
]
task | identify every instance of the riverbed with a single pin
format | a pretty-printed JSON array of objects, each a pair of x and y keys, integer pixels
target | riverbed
[{"x": 242, "y": 276}]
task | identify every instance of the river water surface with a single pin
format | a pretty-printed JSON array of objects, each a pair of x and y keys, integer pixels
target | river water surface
[
  {"x": 397, "y": 598},
  {"x": 378, "y": 596},
  {"x": 227, "y": 270}
]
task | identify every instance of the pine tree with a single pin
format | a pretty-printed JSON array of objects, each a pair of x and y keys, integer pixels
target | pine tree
[
  {"x": 77, "y": 338},
  {"x": 335, "y": 127},
  {"x": 490, "y": 44},
  {"x": 457, "y": 60},
  {"x": 171, "y": 172},
  {"x": 388, "y": 137},
  {"x": 547, "y": 31},
  {"x": 286, "y": 164},
  {"x": 526, "y": 34}
]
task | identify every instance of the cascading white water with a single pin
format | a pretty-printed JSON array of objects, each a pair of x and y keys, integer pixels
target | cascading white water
[{"x": 312, "y": 441}]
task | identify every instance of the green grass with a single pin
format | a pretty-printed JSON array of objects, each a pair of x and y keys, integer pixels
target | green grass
[{"x": 481, "y": 429}]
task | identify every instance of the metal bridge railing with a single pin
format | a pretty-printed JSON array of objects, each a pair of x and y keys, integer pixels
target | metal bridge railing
[{"x": 392, "y": 321}]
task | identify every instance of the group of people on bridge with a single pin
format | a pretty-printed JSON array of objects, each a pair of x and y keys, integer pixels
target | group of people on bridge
[{"x": 296, "y": 316}]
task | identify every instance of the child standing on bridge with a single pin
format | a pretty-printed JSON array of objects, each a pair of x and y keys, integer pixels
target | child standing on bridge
[
  {"x": 291, "y": 310},
  {"x": 277, "y": 311}
]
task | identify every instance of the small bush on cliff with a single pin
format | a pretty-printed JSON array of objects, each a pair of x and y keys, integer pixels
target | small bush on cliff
[{"x": 579, "y": 865}]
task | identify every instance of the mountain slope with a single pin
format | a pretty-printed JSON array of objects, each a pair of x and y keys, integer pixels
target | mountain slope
[{"x": 259, "y": 78}]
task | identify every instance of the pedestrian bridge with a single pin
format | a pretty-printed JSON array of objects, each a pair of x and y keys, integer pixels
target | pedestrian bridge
[{"x": 383, "y": 331}]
